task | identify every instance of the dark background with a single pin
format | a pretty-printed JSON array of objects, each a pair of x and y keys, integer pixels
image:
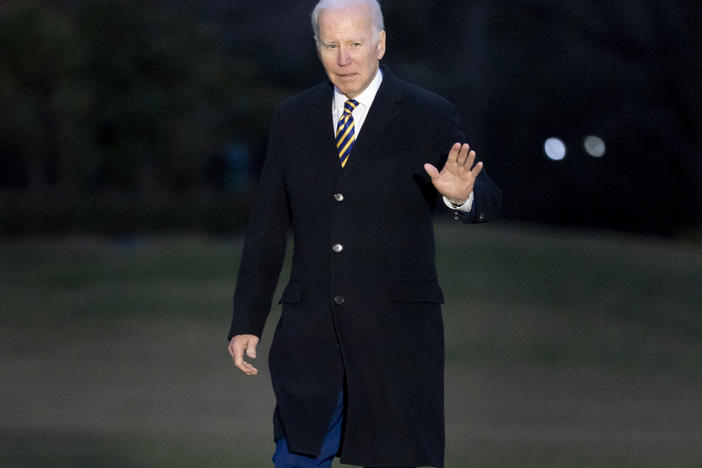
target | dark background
[{"x": 130, "y": 116}]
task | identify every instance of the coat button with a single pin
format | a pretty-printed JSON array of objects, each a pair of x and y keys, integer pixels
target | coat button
[
  {"x": 339, "y": 197},
  {"x": 339, "y": 300},
  {"x": 337, "y": 248}
]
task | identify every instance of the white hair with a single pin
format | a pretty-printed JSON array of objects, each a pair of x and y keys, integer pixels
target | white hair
[{"x": 373, "y": 6}]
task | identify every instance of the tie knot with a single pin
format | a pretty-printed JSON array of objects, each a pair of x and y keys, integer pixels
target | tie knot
[{"x": 350, "y": 105}]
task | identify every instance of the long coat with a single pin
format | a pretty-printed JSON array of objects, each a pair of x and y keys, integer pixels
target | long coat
[{"x": 362, "y": 308}]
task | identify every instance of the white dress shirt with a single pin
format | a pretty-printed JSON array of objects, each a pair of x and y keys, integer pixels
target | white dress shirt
[{"x": 365, "y": 100}]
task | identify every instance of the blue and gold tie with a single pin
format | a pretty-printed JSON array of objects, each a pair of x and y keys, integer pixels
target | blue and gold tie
[{"x": 345, "y": 133}]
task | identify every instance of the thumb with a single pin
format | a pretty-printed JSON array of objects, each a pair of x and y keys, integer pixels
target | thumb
[
  {"x": 431, "y": 170},
  {"x": 251, "y": 348}
]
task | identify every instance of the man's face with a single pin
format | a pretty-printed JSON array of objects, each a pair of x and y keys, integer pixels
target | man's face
[{"x": 350, "y": 48}]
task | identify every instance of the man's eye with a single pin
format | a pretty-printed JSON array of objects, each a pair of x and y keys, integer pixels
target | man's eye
[{"x": 356, "y": 44}]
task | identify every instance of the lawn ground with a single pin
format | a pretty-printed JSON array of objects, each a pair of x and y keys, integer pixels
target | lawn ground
[{"x": 564, "y": 348}]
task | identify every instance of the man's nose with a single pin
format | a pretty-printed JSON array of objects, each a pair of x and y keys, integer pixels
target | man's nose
[{"x": 343, "y": 57}]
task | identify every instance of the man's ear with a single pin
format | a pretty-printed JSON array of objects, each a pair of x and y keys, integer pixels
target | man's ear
[{"x": 381, "y": 44}]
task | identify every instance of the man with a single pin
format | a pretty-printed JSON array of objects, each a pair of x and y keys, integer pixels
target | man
[{"x": 352, "y": 165}]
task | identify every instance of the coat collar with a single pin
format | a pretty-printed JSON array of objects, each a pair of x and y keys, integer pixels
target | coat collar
[{"x": 383, "y": 111}]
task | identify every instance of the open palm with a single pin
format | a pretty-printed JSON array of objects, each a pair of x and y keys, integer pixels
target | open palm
[{"x": 456, "y": 179}]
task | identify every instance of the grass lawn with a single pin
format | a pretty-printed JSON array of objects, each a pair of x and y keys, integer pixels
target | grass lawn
[{"x": 564, "y": 348}]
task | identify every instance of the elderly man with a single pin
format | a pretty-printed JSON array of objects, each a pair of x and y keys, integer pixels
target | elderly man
[{"x": 352, "y": 167}]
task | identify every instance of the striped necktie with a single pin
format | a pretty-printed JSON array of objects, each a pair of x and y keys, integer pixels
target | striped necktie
[{"x": 344, "y": 132}]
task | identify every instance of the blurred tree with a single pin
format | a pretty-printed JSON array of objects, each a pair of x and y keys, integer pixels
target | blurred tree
[
  {"x": 164, "y": 93},
  {"x": 105, "y": 100},
  {"x": 128, "y": 95},
  {"x": 44, "y": 99}
]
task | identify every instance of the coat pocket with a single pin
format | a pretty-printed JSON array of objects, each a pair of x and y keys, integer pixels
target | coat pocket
[
  {"x": 416, "y": 291},
  {"x": 292, "y": 294}
]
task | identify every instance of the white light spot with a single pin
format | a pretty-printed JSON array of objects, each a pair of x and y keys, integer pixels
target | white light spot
[
  {"x": 555, "y": 149},
  {"x": 594, "y": 146}
]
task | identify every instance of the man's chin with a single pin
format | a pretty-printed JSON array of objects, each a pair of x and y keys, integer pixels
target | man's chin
[{"x": 347, "y": 87}]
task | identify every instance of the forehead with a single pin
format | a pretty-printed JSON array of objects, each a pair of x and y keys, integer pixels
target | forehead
[{"x": 345, "y": 23}]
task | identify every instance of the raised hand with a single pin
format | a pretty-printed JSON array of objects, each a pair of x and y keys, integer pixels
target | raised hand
[{"x": 457, "y": 177}]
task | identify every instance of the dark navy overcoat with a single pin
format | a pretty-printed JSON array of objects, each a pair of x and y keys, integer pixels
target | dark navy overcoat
[{"x": 362, "y": 307}]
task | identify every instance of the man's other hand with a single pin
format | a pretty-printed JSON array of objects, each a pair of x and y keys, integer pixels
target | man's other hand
[{"x": 237, "y": 346}]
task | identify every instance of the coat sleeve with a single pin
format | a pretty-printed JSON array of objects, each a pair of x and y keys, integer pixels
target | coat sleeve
[
  {"x": 264, "y": 244},
  {"x": 487, "y": 200}
]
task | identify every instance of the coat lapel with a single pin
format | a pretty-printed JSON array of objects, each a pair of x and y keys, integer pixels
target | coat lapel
[
  {"x": 382, "y": 112},
  {"x": 320, "y": 117}
]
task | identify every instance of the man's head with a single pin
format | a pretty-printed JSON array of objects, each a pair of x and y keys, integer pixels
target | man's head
[{"x": 350, "y": 39}]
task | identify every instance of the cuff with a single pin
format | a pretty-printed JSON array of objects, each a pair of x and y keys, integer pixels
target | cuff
[{"x": 465, "y": 207}]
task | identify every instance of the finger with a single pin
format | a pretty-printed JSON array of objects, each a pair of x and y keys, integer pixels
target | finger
[
  {"x": 237, "y": 352},
  {"x": 470, "y": 159},
  {"x": 251, "y": 348},
  {"x": 431, "y": 170},
  {"x": 476, "y": 169},
  {"x": 463, "y": 154},
  {"x": 247, "y": 368},
  {"x": 453, "y": 154}
]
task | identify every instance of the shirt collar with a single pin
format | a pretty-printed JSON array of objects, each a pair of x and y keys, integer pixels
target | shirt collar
[{"x": 365, "y": 98}]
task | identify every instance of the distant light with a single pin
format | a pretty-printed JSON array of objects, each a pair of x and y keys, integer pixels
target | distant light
[
  {"x": 594, "y": 146},
  {"x": 555, "y": 149}
]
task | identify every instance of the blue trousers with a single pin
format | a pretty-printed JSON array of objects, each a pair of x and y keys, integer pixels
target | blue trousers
[{"x": 283, "y": 458}]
